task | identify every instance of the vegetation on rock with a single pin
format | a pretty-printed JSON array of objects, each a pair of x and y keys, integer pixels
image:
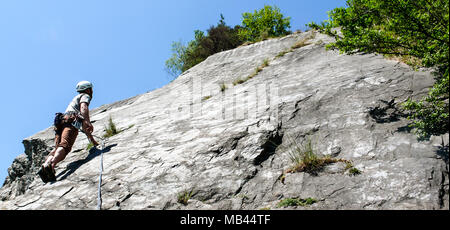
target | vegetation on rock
[
  {"x": 415, "y": 30},
  {"x": 293, "y": 202},
  {"x": 260, "y": 25}
]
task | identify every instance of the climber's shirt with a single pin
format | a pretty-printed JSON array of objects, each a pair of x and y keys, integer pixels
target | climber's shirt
[{"x": 75, "y": 104}]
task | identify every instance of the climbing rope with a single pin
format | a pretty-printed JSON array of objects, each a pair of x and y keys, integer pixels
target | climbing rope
[
  {"x": 99, "y": 192},
  {"x": 99, "y": 197}
]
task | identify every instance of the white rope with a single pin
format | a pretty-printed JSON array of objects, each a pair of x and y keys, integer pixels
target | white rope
[{"x": 99, "y": 197}]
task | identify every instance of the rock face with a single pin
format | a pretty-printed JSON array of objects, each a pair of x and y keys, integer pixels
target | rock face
[{"x": 232, "y": 148}]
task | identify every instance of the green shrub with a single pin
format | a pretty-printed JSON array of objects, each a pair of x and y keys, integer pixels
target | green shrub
[
  {"x": 262, "y": 24},
  {"x": 218, "y": 38},
  {"x": 175, "y": 65},
  {"x": 354, "y": 171},
  {"x": 293, "y": 202},
  {"x": 111, "y": 129},
  {"x": 351, "y": 169}
]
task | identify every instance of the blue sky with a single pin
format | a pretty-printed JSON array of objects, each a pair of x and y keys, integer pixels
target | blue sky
[{"x": 47, "y": 46}]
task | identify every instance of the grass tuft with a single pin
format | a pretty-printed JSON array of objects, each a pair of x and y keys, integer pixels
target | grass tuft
[
  {"x": 89, "y": 146},
  {"x": 265, "y": 63},
  {"x": 354, "y": 171},
  {"x": 239, "y": 81},
  {"x": 300, "y": 44},
  {"x": 282, "y": 53},
  {"x": 206, "y": 98},
  {"x": 111, "y": 129},
  {"x": 252, "y": 75},
  {"x": 223, "y": 87},
  {"x": 185, "y": 196},
  {"x": 293, "y": 202},
  {"x": 306, "y": 160}
]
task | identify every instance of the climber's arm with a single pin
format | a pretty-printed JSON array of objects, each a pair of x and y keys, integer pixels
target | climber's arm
[{"x": 88, "y": 128}]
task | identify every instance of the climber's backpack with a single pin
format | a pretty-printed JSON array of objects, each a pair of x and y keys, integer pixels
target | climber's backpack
[
  {"x": 58, "y": 123},
  {"x": 59, "y": 120}
]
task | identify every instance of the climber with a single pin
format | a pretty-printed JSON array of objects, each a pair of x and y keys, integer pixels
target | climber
[{"x": 76, "y": 117}]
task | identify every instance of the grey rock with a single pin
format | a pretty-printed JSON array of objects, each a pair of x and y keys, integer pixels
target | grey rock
[
  {"x": 335, "y": 151},
  {"x": 232, "y": 149}
]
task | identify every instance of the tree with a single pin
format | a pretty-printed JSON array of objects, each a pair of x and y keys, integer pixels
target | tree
[
  {"x": 194, "y": 52},
  {"x": 174, "y": 64},
  {"x": 417, "y": 31},
  {"x": 184, "y": 57},
  {"x": 219, "y": 38},
  {"x": 267, "y": 22}
]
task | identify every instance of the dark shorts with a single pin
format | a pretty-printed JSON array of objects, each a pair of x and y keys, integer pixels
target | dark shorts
[{"x": 66, "y": 138}]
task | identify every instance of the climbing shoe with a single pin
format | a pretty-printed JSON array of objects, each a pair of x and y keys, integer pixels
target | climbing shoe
[
  {"x": 43, "y": 175},
  {"x": 50, "y": 172}
]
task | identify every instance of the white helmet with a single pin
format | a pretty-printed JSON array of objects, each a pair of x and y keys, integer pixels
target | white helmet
[{"x": 83, "y": 85}]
